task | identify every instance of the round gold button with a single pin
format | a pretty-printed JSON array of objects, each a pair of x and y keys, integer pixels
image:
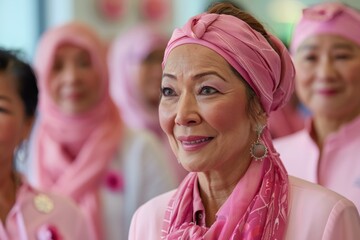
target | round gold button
[{"x": 43, "y": 203}]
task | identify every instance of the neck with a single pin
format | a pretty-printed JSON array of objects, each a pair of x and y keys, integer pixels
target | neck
[
  {"x": 324, "y": 126},
  {"x": 216, "y": 187},
  {"x": 7, "y": 191}
]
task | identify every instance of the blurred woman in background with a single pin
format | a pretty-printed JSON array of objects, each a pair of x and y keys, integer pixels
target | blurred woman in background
[
  {"x": 80, "y": 147},
  {"x": 135, "y": 79},
  {"x": 326, "y": 52}
]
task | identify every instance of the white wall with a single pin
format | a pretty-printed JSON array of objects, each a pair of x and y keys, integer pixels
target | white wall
[{"x": 18, "y": 24}]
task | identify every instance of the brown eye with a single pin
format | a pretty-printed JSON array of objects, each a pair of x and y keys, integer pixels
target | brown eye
[
  {"x": 208, "y": 90},
  {"x": 167, "y": 92}
]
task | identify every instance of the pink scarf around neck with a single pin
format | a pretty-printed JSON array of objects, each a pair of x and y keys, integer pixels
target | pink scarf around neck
[
  {"x": 256, "y": 209},
  {"x": 95, "y": 135}
]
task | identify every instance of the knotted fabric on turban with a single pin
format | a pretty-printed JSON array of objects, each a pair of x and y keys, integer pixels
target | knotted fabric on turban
[
  {"x": 268, "y": 73},
  {"x": 330, "y": 18}
]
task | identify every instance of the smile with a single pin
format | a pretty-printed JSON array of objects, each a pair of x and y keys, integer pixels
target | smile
[{"x": 196, "y": 141}]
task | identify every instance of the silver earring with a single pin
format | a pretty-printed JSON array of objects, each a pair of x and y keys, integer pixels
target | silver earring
[
  {"x": 258, "y": 150},
  {"x": 20, "y": 153}
]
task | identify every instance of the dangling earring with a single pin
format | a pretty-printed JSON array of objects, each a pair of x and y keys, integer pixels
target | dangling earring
[
  {"x": 20, "y": 153},
  {"x": 258, "y": 149}
]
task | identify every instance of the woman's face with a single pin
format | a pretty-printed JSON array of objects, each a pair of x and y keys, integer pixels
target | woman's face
[
  {"x": 74, "y": 81},
  {"x": 328, "y": 76},
  {"x": 150, "y": 78},
  {"x": 14, "y": 125},
  {"x": 203, "y": 110}
]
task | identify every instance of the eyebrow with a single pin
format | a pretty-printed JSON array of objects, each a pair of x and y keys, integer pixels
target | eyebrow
[
  {"x": 335, "y": 46},
  {"x": 5, "y": 98},
  {"x": 197, "y": 76}
]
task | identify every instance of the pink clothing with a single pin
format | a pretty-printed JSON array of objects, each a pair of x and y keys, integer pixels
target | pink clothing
[
  {"x": 338, "y": 167},
  {"x": 95, "y": 134},
  {"x": 314, "y": 213},
  {"x": 125, "y": 57},
  {"x": 245, "y": 49},
  {"x": 259, "y": 199},
  {"x": 329, "y": 18},
  {"x": 43, "y": 216},
  {"x": 285, "y": 121}
]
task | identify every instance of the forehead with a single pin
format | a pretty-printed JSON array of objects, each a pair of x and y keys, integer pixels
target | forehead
[
  {"x": 68, "y": 49},
  {"x": 327, "y": 42},
  {"x": 8, "y": 85},
  {"x": 195, "y": 56}
]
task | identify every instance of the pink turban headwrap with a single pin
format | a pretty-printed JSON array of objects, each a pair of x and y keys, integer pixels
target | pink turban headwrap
[
  {"x": 331, "y": 18},
  {"x": 270, "y": 75}
]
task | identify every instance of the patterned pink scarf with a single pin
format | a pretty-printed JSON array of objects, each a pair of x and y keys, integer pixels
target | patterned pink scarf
[
  {"x": 256, "y": 209},
  {"x": 95, "y": 134}
]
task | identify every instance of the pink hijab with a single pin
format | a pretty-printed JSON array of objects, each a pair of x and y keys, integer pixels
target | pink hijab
[
  {"x": 96, "y": 132},
  {"x": 330, "y": 18},
  {"x": 260, "y": 199},
  {"x": 126, "y": 54}
]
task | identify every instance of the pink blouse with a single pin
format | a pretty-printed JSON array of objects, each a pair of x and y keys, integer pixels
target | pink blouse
[
  {"x": 338, "y": 167},
  {"x": 314, "y": 213},
  {"x": 42, "y": 216}
]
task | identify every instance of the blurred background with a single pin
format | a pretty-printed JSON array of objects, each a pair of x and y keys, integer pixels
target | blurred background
[{"x": 23, "y": 21}]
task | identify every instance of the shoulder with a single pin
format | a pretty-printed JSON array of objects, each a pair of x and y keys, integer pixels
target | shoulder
[
  {"x": 308, "y": 190},
  {"x": 154, "y": 209},
  {"x": 52, "y": 212},
  {"x": 320, "y": 212},
  {"x": 301, "y": 135}
]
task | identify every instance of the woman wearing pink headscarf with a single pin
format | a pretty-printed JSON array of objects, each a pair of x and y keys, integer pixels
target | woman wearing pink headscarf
[
  {"x": 80, "y": 147},
  {"x": 221, "y": 79},
  {"x": 326, "y": 52},
  {"x": 135, "y": 78}
]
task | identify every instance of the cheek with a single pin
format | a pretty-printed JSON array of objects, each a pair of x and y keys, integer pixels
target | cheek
[
  {"x": 223, "y": 118},
  {"x": 303, "y": 86},
  {"x": 10, "y": 134},
  {"x": 95, "y": 87},
  {"x": 54, "y": 88},
  {"x": 166, "y": 118}
]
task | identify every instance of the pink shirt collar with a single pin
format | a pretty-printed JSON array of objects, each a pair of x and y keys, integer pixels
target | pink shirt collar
[{"x": 248, "y": 185}]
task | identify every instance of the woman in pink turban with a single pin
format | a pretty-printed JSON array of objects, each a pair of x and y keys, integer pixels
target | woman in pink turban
[
  {"x": 80, "y": 147},
  {"x": 135, "y": 77},
  {"x": 326, "y": 53},
  {"x": 222, "y": 76}
]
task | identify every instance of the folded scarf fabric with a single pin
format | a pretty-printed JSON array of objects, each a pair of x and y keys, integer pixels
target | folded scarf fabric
[{"x": 256, "y": 209}]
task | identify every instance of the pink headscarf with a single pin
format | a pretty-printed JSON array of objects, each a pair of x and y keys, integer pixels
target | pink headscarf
[
  {"x": 96, "y": 132},
  {"x": 261, "y": 196},
  {"x": 268, "y": 74},
  {"x": 126, "y": 55},
  {"x": 333, "y": 18}
]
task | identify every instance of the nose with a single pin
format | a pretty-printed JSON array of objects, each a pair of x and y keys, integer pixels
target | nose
[
  {"x": 69, "y": 74},
  {"x": 325, "y": 70},
  {"x": 187, "y": 113}
]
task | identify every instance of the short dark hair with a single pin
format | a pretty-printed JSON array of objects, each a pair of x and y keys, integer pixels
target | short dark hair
[{"x": 12, "y": 63}]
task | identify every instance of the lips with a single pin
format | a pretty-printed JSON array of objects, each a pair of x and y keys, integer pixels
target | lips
[
  {"x": 192, "y": 143},
  {"x": 327, "y": 91}
]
